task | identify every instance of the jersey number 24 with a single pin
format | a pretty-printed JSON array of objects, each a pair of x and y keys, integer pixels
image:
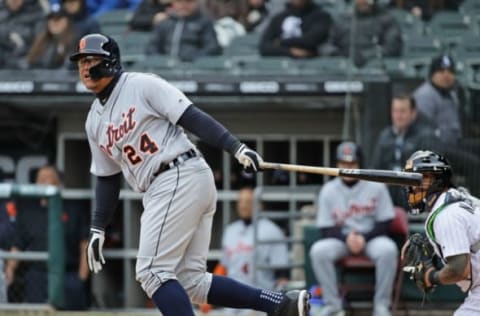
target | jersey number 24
[{"x": 146, "y": 146}]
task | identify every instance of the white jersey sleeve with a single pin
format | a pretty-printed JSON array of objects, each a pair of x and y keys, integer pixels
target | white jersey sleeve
[
  {"x": 451, "y": 231},
  {"x": 164, "y": 98}
]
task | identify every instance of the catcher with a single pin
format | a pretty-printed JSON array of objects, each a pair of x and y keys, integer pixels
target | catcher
[{"x": 452, "y": 232}]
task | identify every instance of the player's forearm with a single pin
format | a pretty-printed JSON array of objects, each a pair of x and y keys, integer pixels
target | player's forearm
[
  {"x": 107, "y": 191},
  {"x": 456, "y": 269}
]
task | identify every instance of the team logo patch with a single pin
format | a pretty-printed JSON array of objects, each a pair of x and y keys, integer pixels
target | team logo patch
[{"x": 82, "y": 44}]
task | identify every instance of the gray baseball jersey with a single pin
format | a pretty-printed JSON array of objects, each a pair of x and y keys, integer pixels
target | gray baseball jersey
[
  {"x": 453, "y": 230},
  {"x": 353, "y": 208},
  {"x": 135, "y": 131},
  {"x": 238, "y": 250}
]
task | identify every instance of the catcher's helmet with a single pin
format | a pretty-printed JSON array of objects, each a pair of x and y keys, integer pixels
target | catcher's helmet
[
  {"x": 431, "y": 163},
  {"x": 103, "y": 46},
  {"x": 349, "y": 152}
]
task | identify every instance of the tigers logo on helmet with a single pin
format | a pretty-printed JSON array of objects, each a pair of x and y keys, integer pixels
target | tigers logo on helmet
[{"x": 82, "y": 44}]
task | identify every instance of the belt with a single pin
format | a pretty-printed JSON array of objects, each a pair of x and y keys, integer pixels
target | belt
[{"x": 175, "y": 162}]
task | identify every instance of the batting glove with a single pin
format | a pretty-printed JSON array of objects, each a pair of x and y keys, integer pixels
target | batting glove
[
  {"x": 94, "y": 250},
  {"x": 249, "y": 159}
]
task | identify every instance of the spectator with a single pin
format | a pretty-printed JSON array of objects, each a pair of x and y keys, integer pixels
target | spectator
[
  {"x": 239, "y": 246},
  {"x": 399, "y": 140},
  {"x": 8, "y": 214},
  {"x": 354, "y": 217},
  {"x": 51, "y": 46},
  {"x": 31, "y": 235},
  {"x": 83, "y": 24},
  {"x": 186, "y": 34},
  {"x": 18, "y": 21},
  {"x": 258, "y": 14},
  {"x": 148, "y": 14},
  {"x": 297, "y": 31},
  {"x": 99, "y": 7},
  {"x": 229, "y": 17},
  {"x": 438, "y": 100},
  {"x": 376, "y": 34}
]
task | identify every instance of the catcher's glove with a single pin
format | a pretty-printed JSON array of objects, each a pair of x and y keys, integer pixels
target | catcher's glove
[{"x": 417, "y": 256}]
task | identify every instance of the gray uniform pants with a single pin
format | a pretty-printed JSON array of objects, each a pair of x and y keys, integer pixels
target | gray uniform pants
[
  {"x": 175, "y": 229},
  {"x": 382, "y": 250}
]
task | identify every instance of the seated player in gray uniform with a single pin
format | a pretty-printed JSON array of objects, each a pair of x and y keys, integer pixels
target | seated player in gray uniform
[
  {"x": 135, "y": 128},
  {"x": 354, "y": 217}
]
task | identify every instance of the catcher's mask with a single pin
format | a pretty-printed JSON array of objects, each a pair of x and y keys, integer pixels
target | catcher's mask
[
  {"x": 437, "y": 176},
  {"x": 103, "y": 46}
]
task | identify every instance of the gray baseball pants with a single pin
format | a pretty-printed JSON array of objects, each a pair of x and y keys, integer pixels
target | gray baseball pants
[
  {"x": 382, "y": 250},
  {"x": 175, "y": 229}
]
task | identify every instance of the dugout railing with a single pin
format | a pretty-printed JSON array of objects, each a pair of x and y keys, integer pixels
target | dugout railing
[{"x": 55, "y": 254}]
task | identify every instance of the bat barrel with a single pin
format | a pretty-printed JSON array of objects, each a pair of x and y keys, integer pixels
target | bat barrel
[{"x": 385, "y": 176}]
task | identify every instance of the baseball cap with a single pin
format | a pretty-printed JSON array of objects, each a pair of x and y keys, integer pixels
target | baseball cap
[
  {"x": 349, "y": 152},
  {"x": 56, "y": 11},
  {"x": 442, "y": 62}
]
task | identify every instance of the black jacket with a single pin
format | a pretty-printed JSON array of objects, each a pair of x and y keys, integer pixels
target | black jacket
[
  {"x": 185, "y": 38},
  {"x": 315, "y": 26}
]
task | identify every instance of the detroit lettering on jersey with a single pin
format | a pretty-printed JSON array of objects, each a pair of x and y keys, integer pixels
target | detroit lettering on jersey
[
  {"x": 116, "y": 134},
  {"x": 355, "y": 209}
]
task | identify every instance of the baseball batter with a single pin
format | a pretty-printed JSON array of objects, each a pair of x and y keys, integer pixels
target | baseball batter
[
  {"x": 134, "y": 128},
  {"x": 452, "y": 227},
  {"x": 354, "y": 218}
]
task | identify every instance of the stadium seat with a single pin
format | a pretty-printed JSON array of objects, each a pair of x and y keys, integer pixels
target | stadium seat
[
  {"x": 421, "y": 46},
  {"x": 132, "y": 45},
  {"x": 419, "y": 66},
  {"x": 469, "y": 47},
  {"x": 334, "y": 7},
  {"x": 395, "y": 67},
  {"x": 158, "y": 64},
  {"x": 211, "y": 64},
  {"x": 320, "y": 64},
  {"x": 260, "y": 65},
  {"x": 117, "y": 16},
  {"x": 409, "y": 23},
  {"x": 470, "y": 7},
  {"x": 449, "y": 26},
  {"x": 243, "y": 45}
]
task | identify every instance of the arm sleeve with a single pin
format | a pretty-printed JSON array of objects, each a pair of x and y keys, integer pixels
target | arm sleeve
[
  {"x": 107, "y": 191},
  {"x": 333, "y": 232},
  {"x": 208, "y": 129},
  {"x": 380, "y": 228}
]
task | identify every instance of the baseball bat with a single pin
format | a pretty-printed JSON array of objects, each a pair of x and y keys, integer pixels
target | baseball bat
[{"x": 376, "y": 175}]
